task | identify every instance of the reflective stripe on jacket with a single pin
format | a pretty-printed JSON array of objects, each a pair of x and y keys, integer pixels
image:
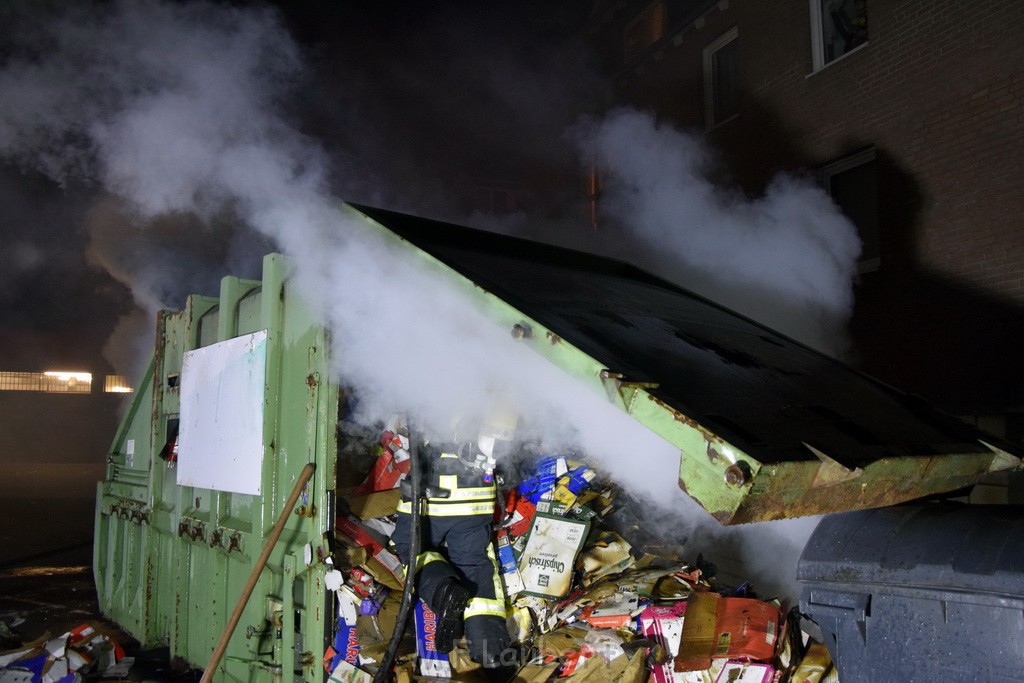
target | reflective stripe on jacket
[{"x": 466, "y": 495}]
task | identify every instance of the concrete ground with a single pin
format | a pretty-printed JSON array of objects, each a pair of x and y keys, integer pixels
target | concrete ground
[{"x": 46, "y": 581}]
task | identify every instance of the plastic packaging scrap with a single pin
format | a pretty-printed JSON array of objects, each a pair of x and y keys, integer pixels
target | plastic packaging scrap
[
  {"x": 586, "y": 601},
  {"x": 78, "y": 654}
]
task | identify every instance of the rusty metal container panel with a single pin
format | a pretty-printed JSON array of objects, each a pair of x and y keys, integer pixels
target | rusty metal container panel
[{"x": 767, "y": 428}]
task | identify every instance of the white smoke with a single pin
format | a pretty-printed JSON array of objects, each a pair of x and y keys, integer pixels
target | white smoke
[
  {"x": 177, "y": 111},
  {"x": 786, "y": 259}
]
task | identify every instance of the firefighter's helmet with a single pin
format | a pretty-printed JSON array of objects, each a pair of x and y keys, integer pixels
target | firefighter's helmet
[
  {"x": 497, "y": 431},
  {"x": 490, "y": 436}
]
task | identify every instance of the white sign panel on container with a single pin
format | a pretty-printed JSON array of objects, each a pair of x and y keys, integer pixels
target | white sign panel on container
[{"x": 220, "y": 445}]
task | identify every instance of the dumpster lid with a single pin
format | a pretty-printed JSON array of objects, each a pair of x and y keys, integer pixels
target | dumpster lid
[
  {"x": 939, "y": 546},
  {"x": 775, "y": 399}
]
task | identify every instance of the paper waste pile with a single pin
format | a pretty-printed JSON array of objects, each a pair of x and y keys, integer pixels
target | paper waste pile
[
  {"x": 83, "y": 652},
  {"x": 590, "y": 596}
]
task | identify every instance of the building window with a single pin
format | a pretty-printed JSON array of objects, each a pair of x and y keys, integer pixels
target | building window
[
  {"x": 117, "y": 384},
  {"x": 722, "y": 79},
  {"x": 838, "y": 27},
  {"x": 852, "y": 182},
  {"x": 645, "y": 29},
  {"x": 54, "y": 381}
]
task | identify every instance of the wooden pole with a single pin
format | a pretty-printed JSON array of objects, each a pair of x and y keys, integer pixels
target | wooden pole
[{"x": 243, "y": 599}]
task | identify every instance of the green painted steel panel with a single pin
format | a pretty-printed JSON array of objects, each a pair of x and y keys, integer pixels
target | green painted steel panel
[
  {"x": 171, "y": 560},
  {"x": 766, "y": 428}
]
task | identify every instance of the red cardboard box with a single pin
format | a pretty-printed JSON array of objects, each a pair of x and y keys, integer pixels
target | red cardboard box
[{"x": 735, "y": 628}]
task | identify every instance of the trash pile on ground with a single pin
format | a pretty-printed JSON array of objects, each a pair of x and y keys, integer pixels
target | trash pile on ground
[
  {"x": 83, "y": 652},
  {"x": 590, "y": 596}
]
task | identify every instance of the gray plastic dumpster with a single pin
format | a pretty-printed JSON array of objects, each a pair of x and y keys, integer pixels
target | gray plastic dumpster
[{"x": 920, "y": 592}]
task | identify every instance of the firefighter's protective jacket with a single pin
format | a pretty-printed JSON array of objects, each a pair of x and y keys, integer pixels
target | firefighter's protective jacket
[
  {"x": 471, "y": 490},
  {"x": 456, "y": 536}
]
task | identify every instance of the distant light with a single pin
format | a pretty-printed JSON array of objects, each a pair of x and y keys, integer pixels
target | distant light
[
  {"x": 53, "y": 381},
  {"x": 69, "y": 376},
  {"x": 117, "y": 384}
]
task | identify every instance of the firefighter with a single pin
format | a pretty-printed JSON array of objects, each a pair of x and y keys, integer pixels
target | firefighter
[{"x": 457, "y": 569}]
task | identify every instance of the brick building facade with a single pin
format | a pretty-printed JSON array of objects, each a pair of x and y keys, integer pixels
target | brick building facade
[{"x": 910, "y": 112}]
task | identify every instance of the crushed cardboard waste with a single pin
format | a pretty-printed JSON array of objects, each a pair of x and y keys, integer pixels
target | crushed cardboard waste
[
  {"x": 80, "y": 654},
  {"x": 588, "y": 597}
]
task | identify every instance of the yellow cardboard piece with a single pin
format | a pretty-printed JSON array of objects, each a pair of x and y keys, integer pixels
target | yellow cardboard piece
[
  {"x": 815, "y": 665},
  {"x": 607, "y": 556},
  {"x": 698, "y": 641},
  {"x": 377, "y": 504},
  {"x": 622, "y": 669},
  {"x": 536, "y": 673},
  {"x": 557, "y": 643},
  {"x": 405, "y": 671}
]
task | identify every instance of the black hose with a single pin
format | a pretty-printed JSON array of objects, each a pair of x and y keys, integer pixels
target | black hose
[{"x": 408, "y": 590}]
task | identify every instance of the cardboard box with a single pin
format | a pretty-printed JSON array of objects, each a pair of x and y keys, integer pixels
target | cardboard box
[
  {"x": 733, "y": 628},
  {"x": 509, "y": 567},
  {"x": 519, "y": 514},
  {"x": 552, "y": 507},
  {"x": 377, "y": 504},
  {"x": 345, "y": 672},
  {"x": 816, "y": 664},
  {"x": 382, "y": 564},
  {"x": 390, "y": 467},
  {"x": 430, "y": 661},
  {"x": 615, "y": 611},
  {"x": 622, "y": 669},
  {"x": 664, "y": 625},
  {"x": 746, "y": 672},
  {"x": 606, "y": 555},
  {"x": 546, "y": 564}
]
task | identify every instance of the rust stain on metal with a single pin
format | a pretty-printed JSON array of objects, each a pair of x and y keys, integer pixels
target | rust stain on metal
[
  {"x": 521, "y": 330},
  {"x": 737, "y": 474},
  {"x": 311, "y": 380},
  {"x": 625, "y": 388},
  {"x": 722, "y": 516},
  {"x": 709, "y": 436},
  {"x": 679, "y": 417},
  {"x": 553, "y": 338},
  {"x": 791, "y": 492},
  {"x": 149, "y": 581}
]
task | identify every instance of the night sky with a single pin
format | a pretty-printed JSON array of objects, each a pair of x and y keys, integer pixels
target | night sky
[{"x": 405, "y": 98}]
